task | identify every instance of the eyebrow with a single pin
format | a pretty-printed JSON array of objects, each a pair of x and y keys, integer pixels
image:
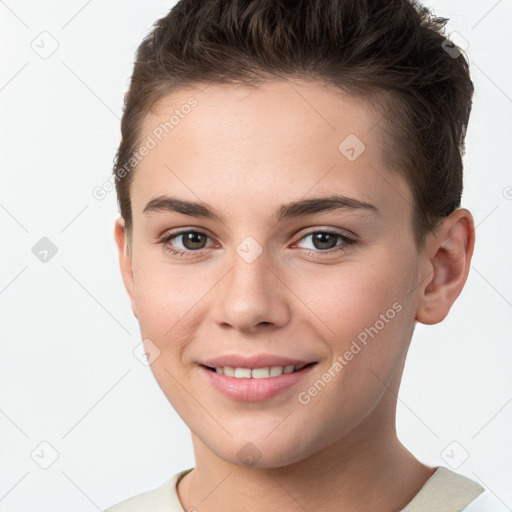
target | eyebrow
[{"x": 291, "y": 210}]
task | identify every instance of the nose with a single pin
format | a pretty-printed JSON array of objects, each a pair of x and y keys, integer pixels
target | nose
[{"x": 252, "y": 296}]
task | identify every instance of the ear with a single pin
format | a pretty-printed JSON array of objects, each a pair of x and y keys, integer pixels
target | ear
[
  {"x": 125, "y": 260},
  {"x": 446, "y": 262}
]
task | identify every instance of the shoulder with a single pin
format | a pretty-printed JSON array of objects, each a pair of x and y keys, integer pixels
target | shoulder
[
  {"x": 162, "y": 499},
  {"x": 446, "y": 491},
  {"x": 138, "y": 503}
]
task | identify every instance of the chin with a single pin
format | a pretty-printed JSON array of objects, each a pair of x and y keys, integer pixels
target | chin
[{"x": 259, "y": 451}]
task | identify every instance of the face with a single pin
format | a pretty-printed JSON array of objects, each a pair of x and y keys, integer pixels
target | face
[{"x": 311, "y": 283}]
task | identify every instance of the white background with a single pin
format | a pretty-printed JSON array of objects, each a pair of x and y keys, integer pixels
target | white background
[{"x": 68, "y": 375}]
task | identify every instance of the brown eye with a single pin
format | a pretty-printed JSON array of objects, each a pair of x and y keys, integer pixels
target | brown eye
[
  {"x": 324, "y": 241},
  {"x": 184, "y": 243},
  {"x": 193, "y": 240},
  {"x": 327, "y": 241}
]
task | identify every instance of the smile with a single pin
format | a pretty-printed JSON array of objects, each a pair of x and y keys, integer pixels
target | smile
[
  {"x": 245, "y": 384},
  {"x": 257, "y": 373}
]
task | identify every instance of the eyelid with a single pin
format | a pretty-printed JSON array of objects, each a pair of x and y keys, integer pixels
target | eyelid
[
  {"x": 170, "y": 235},
  {"x": 326, "y": 229},
  {"x": 300, "y": 235}
]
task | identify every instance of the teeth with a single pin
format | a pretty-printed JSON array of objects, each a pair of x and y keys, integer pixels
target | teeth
[{"x": 257, "y": 373}]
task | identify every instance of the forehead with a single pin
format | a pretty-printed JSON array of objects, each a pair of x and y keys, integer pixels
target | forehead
[{"x": 279, "y": 141}]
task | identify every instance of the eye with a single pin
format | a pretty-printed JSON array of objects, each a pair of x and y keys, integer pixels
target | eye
[
  {"x": 192, "y": 241},
  {"x": 325, "y": 241}
]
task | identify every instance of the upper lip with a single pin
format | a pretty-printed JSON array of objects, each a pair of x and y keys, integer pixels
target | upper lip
[{"x": 252, "y": 362}]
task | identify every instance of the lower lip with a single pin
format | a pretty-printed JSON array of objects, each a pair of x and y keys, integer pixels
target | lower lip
[{"x": 254, "y": 390}]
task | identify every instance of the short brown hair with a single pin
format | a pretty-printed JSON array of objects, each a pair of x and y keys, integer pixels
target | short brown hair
[{"x": 392, "y": 49}]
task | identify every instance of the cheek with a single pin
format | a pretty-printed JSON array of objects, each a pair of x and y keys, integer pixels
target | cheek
[
  {"x": 171, "y": 302},
  {"x": 381, "y": 316},
  {"x": 347, "y": 299},
  {"x": 364, "y": 313},
  {"x": 166, "y": 317},
  {"x": 365, "y": 318},
  {"x": 162, "y": 300}
]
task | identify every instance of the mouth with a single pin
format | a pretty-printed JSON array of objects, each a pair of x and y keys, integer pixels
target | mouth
[
  {"x": 257, "y": 373},
  {"x": 258, "y": 384}
]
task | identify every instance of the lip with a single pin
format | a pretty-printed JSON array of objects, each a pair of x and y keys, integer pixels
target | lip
[
  {"x": 254, "y": 390},
  {"x": 252, "y": 362}
]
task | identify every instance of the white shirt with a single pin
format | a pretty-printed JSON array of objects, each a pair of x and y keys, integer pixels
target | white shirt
[{"x": 444, "y": 491}]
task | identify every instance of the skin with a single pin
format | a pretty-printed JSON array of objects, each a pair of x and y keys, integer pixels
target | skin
[{"x": 246, "y": 152}]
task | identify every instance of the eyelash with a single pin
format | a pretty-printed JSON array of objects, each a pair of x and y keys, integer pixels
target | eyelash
[{"x": 164, "y": 240}]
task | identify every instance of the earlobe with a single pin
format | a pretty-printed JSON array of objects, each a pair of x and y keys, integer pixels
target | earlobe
[
  {"x": 447, "y": 261},
  {"x": 125, "y": 260}
]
